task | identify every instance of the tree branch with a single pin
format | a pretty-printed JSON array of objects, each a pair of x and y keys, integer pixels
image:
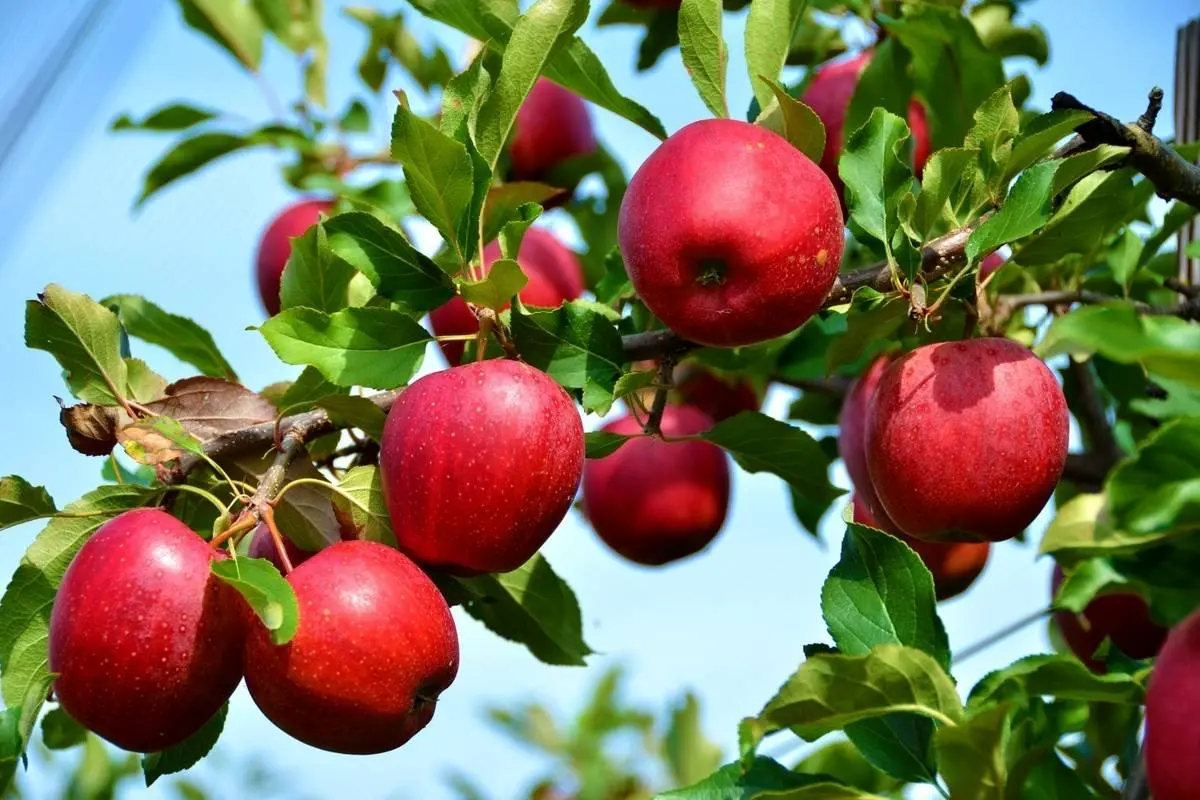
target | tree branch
[{"x": 1093, "y": 416}]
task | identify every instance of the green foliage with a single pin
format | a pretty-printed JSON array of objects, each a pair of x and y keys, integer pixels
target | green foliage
[
  {"x": 265, "y": 591},
  {"x": 185, "y": 754},
  {"x": 703, "y": 50}
]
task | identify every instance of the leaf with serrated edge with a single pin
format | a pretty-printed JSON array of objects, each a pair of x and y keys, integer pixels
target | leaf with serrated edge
[
  {"x": 20, "y": 501},
  {"x": 305, "y": 514},
  {"x": 1063, "y": 676},
  {"x": 188, "y": 752},
  {"x": 84, "y": 337},
  {"x": 502, "y": 283},
  {"x": 397, "y": 270},
  {"x": 355, "y": 411},
  {"x": 180, "y": 336},
  {"x": 362, "y": 500},
  {"x": 770, "y": 27},
  {"x": 971, "y": 756},
  {"x": 267, "y": 593},
  {"x": 571, "y": 343},
  {"x": 312, "y": 277},
  {"x": 794, "y": 121},
  {"x": 702, "y": 47}
]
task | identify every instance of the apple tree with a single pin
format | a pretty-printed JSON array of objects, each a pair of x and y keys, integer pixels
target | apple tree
[{"x": 946, "y": 275}]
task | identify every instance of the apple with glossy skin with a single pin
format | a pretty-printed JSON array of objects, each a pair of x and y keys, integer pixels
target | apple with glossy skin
[
  {"x": 1122, "y": 617},
  {"x": 1172, "y": 740},
  {"x": 553, "y": 125},
  {"x": 145, "y": 640},
  {"x": 374, "y": 647},
  {"x": 852, "y": 427},
  {"x": 966, "y": 440},
  {"x": 263, "y": 546},
  {"x": 276, "y": 246},
  {"x": 654, "y": 501},
  {"x": 829, "y": 94},
  {"x": 730, "y": 234},
  {"x": 717, "y": 397},
  {"x": 479, "y": 465},
  {"x": 555, "y": 277}
]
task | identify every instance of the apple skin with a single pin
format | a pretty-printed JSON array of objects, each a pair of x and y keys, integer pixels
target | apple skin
[
  {"x": 829, "y": 94},
  {"x": 1122, "y": 617},
  {"x": 731, "y": 236},
  {"x": 479, "y": 465},
  {"x": 718, "y": 398},
  {"x": 146, "y": 642},
  {"x": 263, "y": 546},
  {"x": 991, "y": 263},
  {"x": 553, "y": 125},
  {"x": 966, "y": 440},
  {"x": 374, "y": 648},
  {"x": 1172, "y": 706},
  {"x": 655, "y": 502},
  {"x": 852, "y": 427},
  {"x": 555, "y": 277},
  {"x": 276, "y": 246}
]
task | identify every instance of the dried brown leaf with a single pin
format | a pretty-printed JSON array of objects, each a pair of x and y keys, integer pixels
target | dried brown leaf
[
  {"x": 91, "y": 429},
  {"x": 208, "y": 407}
]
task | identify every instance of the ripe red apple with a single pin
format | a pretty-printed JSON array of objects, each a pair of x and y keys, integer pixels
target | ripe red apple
[
  {"x": 1172, "y": 738},
  {"x": 993, "y": 262},
  {"x": 555, "y": 277},
  {"x": 374, "y": 648},
  {"x": 276, "y": 246},
  {"x": 654, "y": 501},
  {"x": 552, "y": 125},
  {"x": 730, "y": 234},
  {"x": 1122, "y": 617},
  {"x": 263, "y": 546},
  {"x": 479, "y": 464},
  {"x": 966, "y": 440},
  {"x": 717, "y": 397},
  {"x": 829, "y": 96},
  {"x": 852, "y": 426},
  {"x": 146, "y": 642}
]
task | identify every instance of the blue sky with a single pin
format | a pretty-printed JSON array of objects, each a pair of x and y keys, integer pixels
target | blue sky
[{"x": 729, "y": 624}]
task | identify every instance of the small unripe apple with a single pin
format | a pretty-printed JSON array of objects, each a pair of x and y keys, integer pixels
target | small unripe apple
[
  {"x": 852, "y": 427},
  {"x": 1122, "y": 617},
  {"x": 479, "y": 465},
  {"x": 262, "y": 545},
  {"x": 146, "y": 642},
  {"x": 717, "y": 397},
  {"x": 654, "y": 501},
  {"x": 966, "y": 440},
  {"x": 276, "y": 247},
  {"x": 374, "y": 647},
  {"x": 555, "y": 277},
  {"x": 553, "y": 125},
  {"x": 730, "y": 234},
  {"x": 1172, "y": 740},
  {"x": 829, "y": 94},
  {"x": 991, "y": 263}
]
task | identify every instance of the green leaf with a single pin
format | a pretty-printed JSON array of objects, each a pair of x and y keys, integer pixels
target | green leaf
[
  {"x": 770, "y": 27},
  {"x": 84, "y": 337},
  {"x": 603, "y": 443},
  {"x": 513, "y": 231},
  {"x": 25, "y": 606},
  {"x": 267, "y": 593},
  {"x": 703, "y": 49},
  {"x": 866, "y": 327},
  {"x": 22, "y": 502},
  {"x": 971, "y": 755},
  {"x": 1063, "y": 676},
  {"x": 171, "y": 117},
  {"x": 1082, "y": 526},
  {"x": 356, "y": 118},
  {"x": 233, "y": 24},
  {"x": 532, "y": 606},
  {"x": 794, "y": 121},
  {"x": 884, "y": 83},
  {"x": 157, "y": 440},
  {"x": 1039, "y": 136},
  {"x": 614, "y": 284},
  {"x": 361, "y": 499},
  {"x": 373, "y": 347},
  {"x": 689, "y": 755},
  {"x": 303, "y": 394},
  {"x": 1158, "y": 490},
  {"x": 16, "y": 727},
  {"x": 461, "y": 99},
  {"x": 996, "y": 124},
  {"x": 188, "y": 752},
  {"x": 1026, "y": 209},
  {"x": 501, "y": 285},
  {"x": 537, "y": 34},
  {"x": 143, "y": 384},
  {"x": 398, "y": 270},
  {"x": 762, "y": 778},
  {"x": 842, "y": 760},
  {"x": 60, "y": 732},
  {"x": 313, "y": 278},
  {"x": 179, "y": 336},
  {"x": 944, "y": 171},
  {"x": 506, "y": 202},
  {"x": 759, "y": 443},
  {"x": 189, "y": 155},
  {"x": 572, "y": 343},
  {"x": 355, "y": 411}
]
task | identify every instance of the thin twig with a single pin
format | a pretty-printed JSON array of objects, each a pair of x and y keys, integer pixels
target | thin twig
[
  {"x": 666, "y": 374},
  {"x": 1093, "y": 416},
  {"x": 999, "y": 635}
]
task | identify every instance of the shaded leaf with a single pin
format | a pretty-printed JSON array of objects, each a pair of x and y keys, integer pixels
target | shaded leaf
[
  {"x": 603, "y": 443},
  {"x": 171, "y": 117},
  {"x": 972, "y": 755},
  {"x": 60, "y": 732},
  {"x": 1157, "y": 491},
  {"x": 573, "y": 343},
  {"x": 188, "y": 752},
  {"x": 362, "y": 501},
  {"x": 503, "y": 281},
  {"x": 1026, "y": 209},
  {"x": 305, "y": 514},
  {"x": 1063, "y": 676},
  {"x": 312, "y": 277},
  {"x": 355, "y": 411}
]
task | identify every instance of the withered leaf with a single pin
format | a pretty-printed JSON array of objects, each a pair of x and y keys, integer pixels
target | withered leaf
[
  {"x": 208, "y": 407},
  {"x": 91, "y": 429},
  {"x": 157, "y": 440}
]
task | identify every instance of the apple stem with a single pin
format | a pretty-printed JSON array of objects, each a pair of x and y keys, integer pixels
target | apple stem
[
  {"x": 666, "y": 374},
  {"x": 243, "y": 524},
  {"x": 268, "y": 515}
]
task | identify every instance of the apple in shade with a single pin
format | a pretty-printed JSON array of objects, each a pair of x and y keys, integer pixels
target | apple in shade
[
  {"x": 374, "y": 647},
  {"x": 654, "y": 501},
  {"x": 720, "y": 398},
  {"x": 555, "y": 277},
  {"x": 263, "y": 546},
  {"x": 828, "y": 95},
  {"x": 146, "y": 642},
  {"x": 966, "y": 440},
  {"x": 1122, "y": 617},
  {"x": 990, "y": 264},
  {"x": 276, "y": 246},
  {"x": 479, "y": 464},
  {"x": 730, "y": 235},
  {"x": 1172, "y": 741},
  {"x": 553, "y": 125}
]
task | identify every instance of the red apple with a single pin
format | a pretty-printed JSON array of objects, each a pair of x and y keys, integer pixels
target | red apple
[
  {"x": 479, "y": 464},
  {"x": 993, "y": 262},
  {"x": 555, "y": 277},
  {"x": 966, "y": 440},
  {"x": 730, "y": 234},
  {"x": 263, "y": 546},
  {"x": 276, "y": 246},
  {"x": 553, "y": 124},
  {"x": 717, "y": 397},
  {"x": 1172, "y": 740},
  {"x": 374, "y": 648},
  {"x": 654, "y": 501},
  {"x": 1122, "y": 617},
  {"x": 829, "y": 96},
  {"x": 146, "y": 642},
  {"x": 852, "y": 426}
]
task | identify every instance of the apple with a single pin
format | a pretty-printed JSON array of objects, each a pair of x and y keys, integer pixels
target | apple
[
  {"x": 731, "y": 236},
  {"x": 552, "y": 125},
  {"x": 276, "y": 246},
  {"x": 990, "y": 264},
  {"x": 555, "y": 277},
  {"x": 828, "y": 95},
  {"x": 1172, "y": 737},
  {"x": 263, "y": 546},
  {"x": 146, "y": 643},
  {"x": 717, "y": 397},
  {"x": 479, "y": 465},
  {"x": 374, "y": 647},
  {"x": 1122, "y": 617},
  {"x": 654, "y": 501},
  {"x": 852, "y": 425},
  {"x": 966, "y": 440}
]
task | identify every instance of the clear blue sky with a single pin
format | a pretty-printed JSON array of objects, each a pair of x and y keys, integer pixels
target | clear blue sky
[{"x": 729, "y": 624}]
